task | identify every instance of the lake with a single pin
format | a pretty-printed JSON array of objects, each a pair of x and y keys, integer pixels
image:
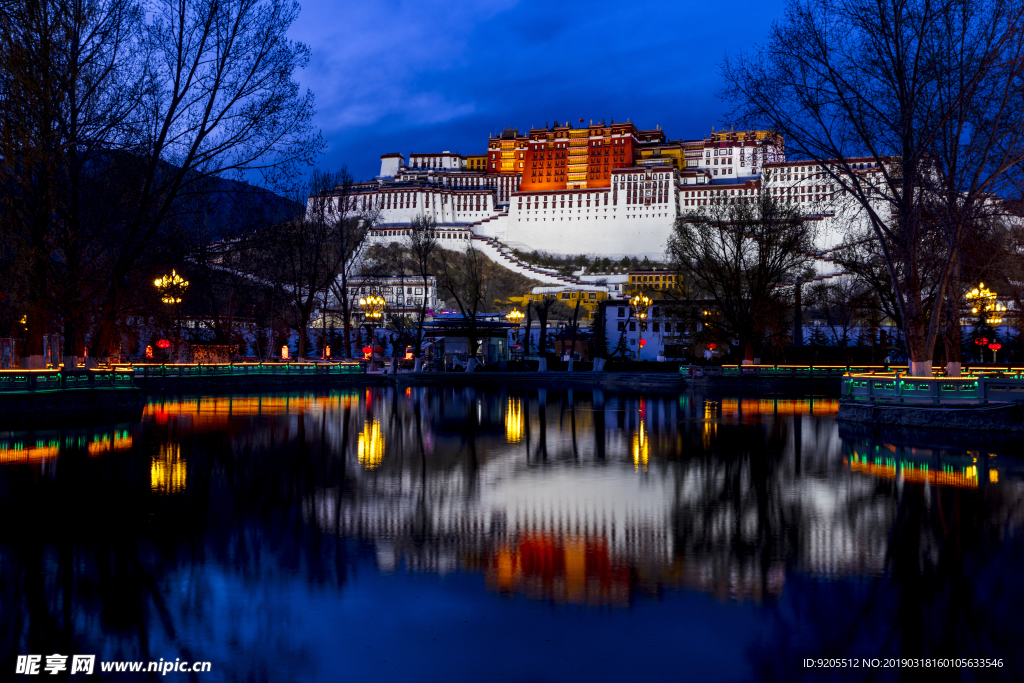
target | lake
[{"x": 459, "y": 534}]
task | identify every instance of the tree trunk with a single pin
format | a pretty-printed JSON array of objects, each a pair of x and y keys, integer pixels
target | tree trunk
[
  {"x": 529, "y": 324},
  {"x": 920, "y": 361},
  {"x": 346, "y": 324},
  {"x": 953, "y": 337},
  {"x": 575, "y": 328},
  {"x": 304, "y": 316}
]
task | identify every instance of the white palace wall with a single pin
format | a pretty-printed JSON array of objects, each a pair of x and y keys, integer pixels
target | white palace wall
[
  {"x": 588, "y": 222},
  {"x": 633, "y": 217}
]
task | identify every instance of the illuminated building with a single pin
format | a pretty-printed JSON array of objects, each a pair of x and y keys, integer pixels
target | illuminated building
[
  {"x": 602, "y": 189},
  {"x": 614, "y": 185},
  {"x": 403, "y": 294}
]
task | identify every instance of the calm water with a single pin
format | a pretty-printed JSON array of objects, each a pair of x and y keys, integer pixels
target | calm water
[{"x": 462, "y": 535}]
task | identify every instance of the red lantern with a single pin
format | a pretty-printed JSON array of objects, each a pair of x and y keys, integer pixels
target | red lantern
[
  {"x": 995, "y": 347},
  {"x": 163, "y": 344},
  {"x": 367, "y": 349},
  {"x": 981, "y": 341},
  {"x": 643, "y": 342},
  {"x": 712, "y": 346}
]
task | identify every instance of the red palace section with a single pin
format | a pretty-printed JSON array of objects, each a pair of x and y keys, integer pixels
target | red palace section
[{"x": 567, "y": 158}]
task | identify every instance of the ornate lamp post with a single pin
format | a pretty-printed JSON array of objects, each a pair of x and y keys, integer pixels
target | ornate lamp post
[
  {"x": 172, "y": 288},
  {"x": 983, "y": 302},
  {"x": 641, "y": 304},
  {"x": 373, "y": 309},
  {"x": 515, "y": 316}
]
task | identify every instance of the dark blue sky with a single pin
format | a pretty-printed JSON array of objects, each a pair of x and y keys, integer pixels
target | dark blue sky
[{"x": 428, "y": 76}]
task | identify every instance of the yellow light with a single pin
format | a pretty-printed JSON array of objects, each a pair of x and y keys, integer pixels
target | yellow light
[
  {"x": 172, "y": 287},
  {"x": 515, "y": 317},
  {"x": 640, "y": 303},
  {"x": 514, "y": 420},
  {"x": 641, "y": 448},
  {"x": 371, "y": 445},
  {"x": 373, "y": 305},
  {"x": 167, "y": 471},
  {"x": 986, "y": 304}
]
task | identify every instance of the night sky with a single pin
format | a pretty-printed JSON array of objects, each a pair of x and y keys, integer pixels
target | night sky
[{"x": 430, "y": 76}]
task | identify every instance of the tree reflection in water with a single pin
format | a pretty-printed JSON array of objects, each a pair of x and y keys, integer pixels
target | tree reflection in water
[{"x": 126, "y": 540}]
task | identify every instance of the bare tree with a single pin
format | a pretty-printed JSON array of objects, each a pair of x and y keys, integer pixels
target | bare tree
[
  {"x": 220, "y": 101},
  {"x": 737, "y": 253},
  {"x": 356, "y": 218},
  {"x": 313, "y": 254},
  {"x": 422, "y": 248},
  {"x": 113, "y": 114},
  {"x": 462, "y": 278},
  {"x": 930, "y": 93},
  {"x": 838, "y": 303},
  {"x": 71, "y": 83},
  {"x": 543, "y": 308}
]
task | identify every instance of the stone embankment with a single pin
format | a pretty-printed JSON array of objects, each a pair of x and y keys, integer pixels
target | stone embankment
[{"x": 1006, "y": 417}]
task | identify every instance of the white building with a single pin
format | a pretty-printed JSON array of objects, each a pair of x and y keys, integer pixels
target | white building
[{"x": 630, "y": 212}]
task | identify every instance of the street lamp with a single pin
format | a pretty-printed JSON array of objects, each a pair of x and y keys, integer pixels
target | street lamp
[
  {"x": 983, "y": 302},
  {"x": 515, "y": 316},
  {"x": 641, "y": 304},
  {"x": 373, "y": 309},
  {"x": 172, "y": 288}
]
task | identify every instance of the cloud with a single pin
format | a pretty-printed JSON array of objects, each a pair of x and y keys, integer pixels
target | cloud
[{"x": 397, "y": 76}]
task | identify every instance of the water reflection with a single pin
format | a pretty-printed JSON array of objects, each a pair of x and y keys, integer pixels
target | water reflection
[
  {"x": 167, "y": 473},
  {"x": 223, "y": 519},
  {"x": 371, "y": 444}
]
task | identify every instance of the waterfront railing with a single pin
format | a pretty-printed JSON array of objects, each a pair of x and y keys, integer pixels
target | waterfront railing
[
  {"x": 18, "y": 381},
  {"x": 975, "y": 389},
  {"x": 154, "y": 370},
  {"x": 777, "y": 371}
]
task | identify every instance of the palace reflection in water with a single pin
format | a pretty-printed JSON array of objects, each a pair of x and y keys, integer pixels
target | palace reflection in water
[{"x": 205, "y": 529}]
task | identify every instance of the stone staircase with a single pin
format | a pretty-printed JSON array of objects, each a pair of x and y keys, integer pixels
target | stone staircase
[{"x": 502, "y": 255}]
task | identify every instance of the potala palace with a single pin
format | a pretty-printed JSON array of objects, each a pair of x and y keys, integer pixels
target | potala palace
[{"x": 601, "y": 190}]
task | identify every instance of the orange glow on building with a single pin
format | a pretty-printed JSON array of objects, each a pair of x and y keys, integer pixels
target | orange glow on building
[{"x": 567, "y": 158}]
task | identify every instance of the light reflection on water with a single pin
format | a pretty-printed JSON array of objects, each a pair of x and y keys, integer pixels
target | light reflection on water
[{"x": 253, "y": 519}]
